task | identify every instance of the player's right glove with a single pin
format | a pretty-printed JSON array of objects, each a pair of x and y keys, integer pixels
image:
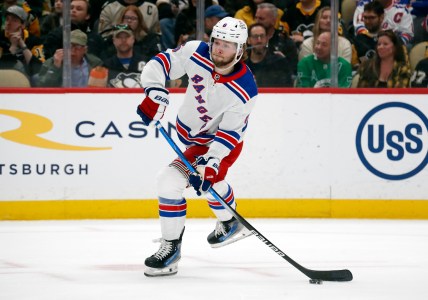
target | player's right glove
[
  {"x": 205, "y": 177},
  {"x": 153, "y": 109}
]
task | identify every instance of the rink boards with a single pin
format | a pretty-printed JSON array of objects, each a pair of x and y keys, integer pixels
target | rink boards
[{"x": 348, "y": 154}]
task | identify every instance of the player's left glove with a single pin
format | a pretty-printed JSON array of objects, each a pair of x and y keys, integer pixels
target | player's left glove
[{"x": 205, "y": 175}]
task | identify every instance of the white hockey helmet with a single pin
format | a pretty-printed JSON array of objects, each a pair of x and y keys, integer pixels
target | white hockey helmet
[{"x": 231, "y": 30}]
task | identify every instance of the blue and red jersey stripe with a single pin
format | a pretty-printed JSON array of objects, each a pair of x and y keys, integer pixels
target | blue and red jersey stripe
[
  {"x": 164, "y": 60},
  {"x": 187, "y": 139},
  {"x": 228, "y": 138}
]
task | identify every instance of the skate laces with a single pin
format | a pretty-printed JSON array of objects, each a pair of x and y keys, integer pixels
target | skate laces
[
  {"x": 220, "y": 229},
  {"x": 164, "y": 249}
]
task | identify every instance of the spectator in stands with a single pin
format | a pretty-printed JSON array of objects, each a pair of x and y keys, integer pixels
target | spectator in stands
[
  {"x": 232, "y": 6},
  {"x": 397, "y": 18},
  {"x": 79, "y": 17},
  {"x": 248, "y": 13},
  {"x": 124, "y": 68},
  {"x": 185, "y": 24},
  {"x": 419, "y": 12},
  {"x": 81, "y": 63},
  {"x": 33, "y": 10},
  {"x": 18, "y": 48},
  {"x": 314, "y": 70},
  {"x": 3, "y": 7},
  {"x": 53, "y": 20},
  {"x": 147, "y": 43},
  {"x": 132, "y": 16},
  {"x": 269, "y": 69},
  {"x": 420, "y": 75},
  {"x": 388, "y": 67},
  {"x": 365, "y": 44},
  {"x": 113, "y": 9},
  {"x": 298, "y": 20},
  {"x": 213, "y": 14},
  {"x": 95, "y": 7},
  {"x": 168, "y": 11},
  {"x": 279, "y": 42},
  {"x": 323, "y": 24}
]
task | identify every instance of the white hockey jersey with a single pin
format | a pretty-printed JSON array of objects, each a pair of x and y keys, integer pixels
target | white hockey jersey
[
  {"x": 216, "y": 108},
  {"x": 397, "y": 18}
]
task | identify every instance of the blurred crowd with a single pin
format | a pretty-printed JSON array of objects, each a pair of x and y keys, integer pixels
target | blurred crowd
[{"x": 380, "y": 43}]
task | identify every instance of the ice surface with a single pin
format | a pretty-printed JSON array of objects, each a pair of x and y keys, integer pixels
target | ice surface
[{"x": 104, "y": 260}]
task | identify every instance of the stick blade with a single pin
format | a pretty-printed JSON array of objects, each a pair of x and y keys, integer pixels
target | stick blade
[{"x": 333, "y": 275}]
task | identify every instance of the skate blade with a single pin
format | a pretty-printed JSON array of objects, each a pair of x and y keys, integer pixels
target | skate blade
[
  {"x": 241, "y": 235},
  {"x": 155, "y": 272}
]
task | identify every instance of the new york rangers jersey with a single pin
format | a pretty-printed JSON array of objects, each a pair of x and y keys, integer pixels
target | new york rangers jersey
[
  {"x": 397, "y": 18},
  {"x": 216, "y": 107}
]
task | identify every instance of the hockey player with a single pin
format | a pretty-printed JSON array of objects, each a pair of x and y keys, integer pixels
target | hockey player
[{"x": 211, "y": 123}]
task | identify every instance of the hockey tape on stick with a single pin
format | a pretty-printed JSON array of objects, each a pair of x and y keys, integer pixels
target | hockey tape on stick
[{"x": 330, "y": 275}]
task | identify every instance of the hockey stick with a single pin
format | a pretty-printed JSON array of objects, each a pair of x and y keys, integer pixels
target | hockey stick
[{"x": 331, "y": 275}]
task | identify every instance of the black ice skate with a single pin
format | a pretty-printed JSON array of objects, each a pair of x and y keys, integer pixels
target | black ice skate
[
  {"x": 227, "y": 232},
  {"x": 165, "y": 261}
]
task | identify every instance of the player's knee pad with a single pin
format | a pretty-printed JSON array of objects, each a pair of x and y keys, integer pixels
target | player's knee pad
[
  {"x": 170, "y": 183},
  {"x": 220, "y": 187}
]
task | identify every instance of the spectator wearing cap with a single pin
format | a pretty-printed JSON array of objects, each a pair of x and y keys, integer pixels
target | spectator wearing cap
[
  {"x": 18, "y": 48},
  {"x": 213, "y": 14},
  {"x": 124, "y": 68},
  {"x": 81, "y": 63},
  {"x": 30, "y": 7}
]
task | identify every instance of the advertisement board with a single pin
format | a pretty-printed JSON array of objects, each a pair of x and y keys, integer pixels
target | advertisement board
[{"x": 92, "y": 146}]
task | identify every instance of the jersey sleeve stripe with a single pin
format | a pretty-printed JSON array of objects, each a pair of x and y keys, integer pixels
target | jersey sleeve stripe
[
  {"x": 228, "y": 138},
  {"x": 165, "y": 62},
  {"x": 148, "y": 90}
]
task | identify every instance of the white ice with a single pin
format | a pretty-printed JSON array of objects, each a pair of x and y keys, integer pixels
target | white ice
[{"x": 104, "y": 260}]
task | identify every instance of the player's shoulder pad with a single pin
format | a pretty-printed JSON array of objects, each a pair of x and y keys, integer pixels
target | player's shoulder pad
[
  {"x": 203, "y": 49},
  {"x": 250, "y": 83},
  {"x": 190, "y": 47},
  {"x": 244, "y": 86}
]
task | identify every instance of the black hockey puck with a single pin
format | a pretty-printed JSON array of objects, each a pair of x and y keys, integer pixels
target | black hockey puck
[{"x": 315, "y": 281}]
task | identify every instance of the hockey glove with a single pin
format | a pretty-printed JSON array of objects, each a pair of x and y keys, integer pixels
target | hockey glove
[
  {"x": 205, "y": 175},
  {"x": 152, "y": 110}
]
